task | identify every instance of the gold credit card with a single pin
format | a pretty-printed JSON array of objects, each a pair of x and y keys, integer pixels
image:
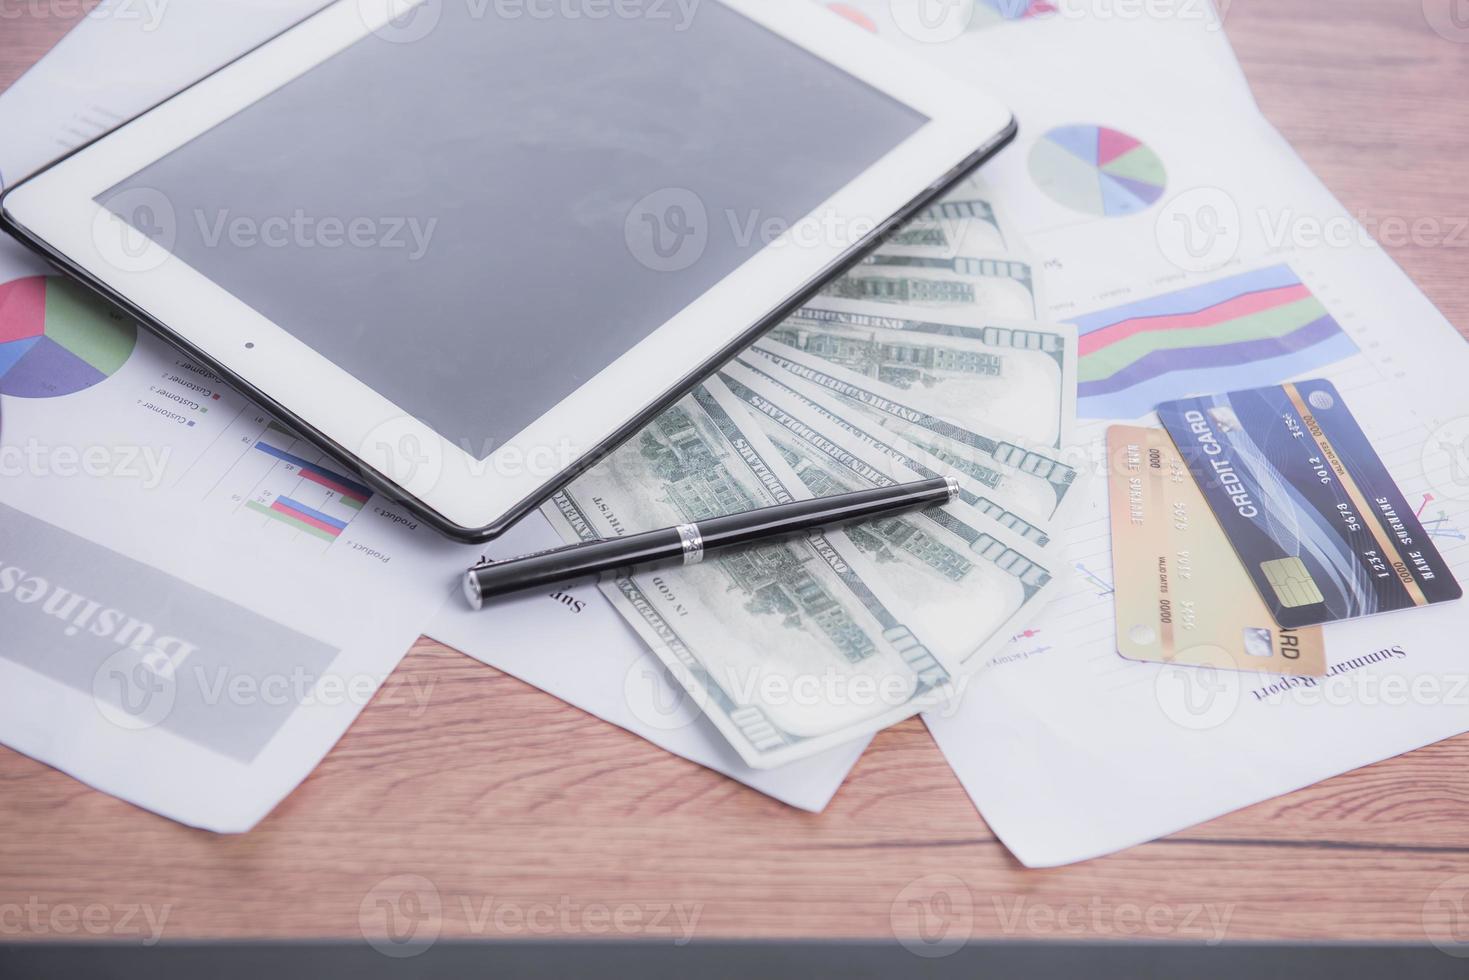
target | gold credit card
[{"x": 1182, "y": 596}]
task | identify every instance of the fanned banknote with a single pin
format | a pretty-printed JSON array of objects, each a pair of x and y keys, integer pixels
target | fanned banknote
[
  {"x": 964, "y": 222},
  {"x": 966, "y": 575},
  {"x": 1018, "y": 376},
  {"x": 790, "y": 647},
  {"x": 878, "y": 456},
  {"x": 1034, "y": 478},
  {"x": 998, "y": 285}
]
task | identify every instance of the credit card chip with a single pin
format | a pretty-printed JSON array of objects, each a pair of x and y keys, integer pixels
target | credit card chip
[{"x": 1292, "y": 582}]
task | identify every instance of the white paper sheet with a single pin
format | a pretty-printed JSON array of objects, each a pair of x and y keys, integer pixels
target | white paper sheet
[
  {"x": 169, "y": 632},
  {"x": 1069, "y": 750}
]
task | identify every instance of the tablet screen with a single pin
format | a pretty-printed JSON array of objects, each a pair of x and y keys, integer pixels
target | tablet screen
[{"x": 477, "y": 210}]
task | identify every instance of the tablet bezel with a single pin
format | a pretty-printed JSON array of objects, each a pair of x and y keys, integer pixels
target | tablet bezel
[{"x": 55, "y": 212}]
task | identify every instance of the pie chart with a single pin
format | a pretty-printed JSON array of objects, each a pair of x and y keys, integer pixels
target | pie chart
[
  {"x": 56, "y": 339},
  {"x": 1097, "y": 171}
]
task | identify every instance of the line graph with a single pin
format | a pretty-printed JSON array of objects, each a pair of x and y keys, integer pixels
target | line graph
[{"x": 1246, "y": 330}]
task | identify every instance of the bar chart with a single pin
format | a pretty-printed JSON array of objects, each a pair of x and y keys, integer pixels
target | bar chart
[{"x": 279, "y": 479}]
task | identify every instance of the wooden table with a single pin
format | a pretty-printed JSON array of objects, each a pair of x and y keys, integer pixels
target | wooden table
[{"x": 531, "y": 818}]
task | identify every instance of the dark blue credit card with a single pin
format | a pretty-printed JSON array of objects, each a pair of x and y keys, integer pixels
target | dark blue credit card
[{"x": 1318, "y": 523}]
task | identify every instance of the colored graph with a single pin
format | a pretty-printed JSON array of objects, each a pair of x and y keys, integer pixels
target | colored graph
[
  {"x": 291, "y": 490},
  {"x": 1253, "y": 329},
  {"x": 1097, "y": 171},
  {"x": 56, "y": 339},
  {"x": 979, "y": 15},
  {"x": 986, "y": 10}
]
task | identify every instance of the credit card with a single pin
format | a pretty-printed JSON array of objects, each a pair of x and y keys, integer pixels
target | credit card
[
  {"x": 1181, "y": 595},
  {"x": 1318, "y": 523}
]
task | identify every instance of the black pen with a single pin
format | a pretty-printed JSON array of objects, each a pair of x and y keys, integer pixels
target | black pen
[{"x": 690, "y": 543}]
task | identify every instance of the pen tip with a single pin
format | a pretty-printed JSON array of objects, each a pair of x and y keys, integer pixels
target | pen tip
[
  {"x": 953, "y": 487},
  {"x": 471, "y": 590}
]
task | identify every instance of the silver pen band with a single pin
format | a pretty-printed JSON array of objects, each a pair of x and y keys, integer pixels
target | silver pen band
[
  {"x": 953, "y": 487},
  {"x": 693, "y": 543}
]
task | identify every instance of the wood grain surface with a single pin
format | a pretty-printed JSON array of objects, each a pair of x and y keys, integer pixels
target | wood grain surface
[{"x": 515, "y": 815}]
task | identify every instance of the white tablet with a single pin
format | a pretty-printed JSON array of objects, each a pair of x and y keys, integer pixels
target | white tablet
[{"x": 471, "y": 247}]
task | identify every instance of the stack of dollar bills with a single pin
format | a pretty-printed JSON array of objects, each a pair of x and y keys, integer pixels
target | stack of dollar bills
[{"x": 926, "y": 360}]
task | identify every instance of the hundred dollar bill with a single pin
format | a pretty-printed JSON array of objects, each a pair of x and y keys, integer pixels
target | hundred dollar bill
[
  {"x": 1017, "y": 375},
  {"x": 963, "y": 574},
  {"x": 788, "y": 647},
  {"x": 873, "y": 453},
  {"x": 991, "y": 286},
  {"x": 963, "y": 222},
  {"x": 1033, "y": 478}
]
